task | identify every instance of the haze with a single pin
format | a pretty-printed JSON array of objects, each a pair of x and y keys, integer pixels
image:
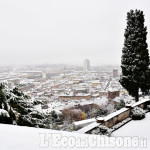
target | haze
[{"x": 65, "y": 31}]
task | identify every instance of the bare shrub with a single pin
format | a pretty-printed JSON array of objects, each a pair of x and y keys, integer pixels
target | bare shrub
[{"x": 71, "y": 115}]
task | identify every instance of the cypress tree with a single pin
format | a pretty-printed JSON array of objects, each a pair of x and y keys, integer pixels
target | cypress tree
[{"x": 135, "y": 55}]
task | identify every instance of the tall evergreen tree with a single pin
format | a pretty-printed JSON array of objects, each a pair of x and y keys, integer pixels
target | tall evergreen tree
[{"x": 135, "y": 55}]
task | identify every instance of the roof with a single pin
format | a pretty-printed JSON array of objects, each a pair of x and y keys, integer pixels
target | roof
[{"x": 112, "y": 89}]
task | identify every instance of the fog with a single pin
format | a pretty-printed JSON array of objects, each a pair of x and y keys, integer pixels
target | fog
[{"x": 65, "y": 31}]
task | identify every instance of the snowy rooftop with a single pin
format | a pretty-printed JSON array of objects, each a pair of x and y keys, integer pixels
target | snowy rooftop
[
  {"x": 72, "y": 94},
  {"x": 112, "y": 89}
]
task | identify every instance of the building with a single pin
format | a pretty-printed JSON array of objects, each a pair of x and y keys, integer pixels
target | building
[
  {"x": 103, "y": 93},
  {"x": 86, "y": 65},
  {"x": 26, "y": 87},
  {"x": 115, "y": 73},
  {"x": 12, "y": 82},
  {"x": 43, "y": 74},
  {"x": 113, "y": 92},
  {"x": 72, "y": 96},
  {"x": 95, "y": 83}
]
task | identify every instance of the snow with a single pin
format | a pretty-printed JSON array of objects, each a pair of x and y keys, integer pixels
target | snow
[
  {"x": 83, "y": 123},
  {"x": 72, "y": 94},
  {"x": 4, "y": 113},
  {"x": 112, "y": 89},
  {"x": 88, "y": 127},
  {"x": 27, "y": 138},
  {"x": 120, "y": 124},
  {"x": 91, "y": 123},
  {"x": 138, "y": 128},
  {"x": 140, "y": 102},
  {"x": 115, "y": 113},
  {"x": 39, "y": 108},
  {"x": 60, "y": 105},
  {"x": 127, "y": 98}
]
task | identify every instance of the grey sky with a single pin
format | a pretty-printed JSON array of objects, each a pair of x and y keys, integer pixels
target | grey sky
[{"x": 65, "y": 31}]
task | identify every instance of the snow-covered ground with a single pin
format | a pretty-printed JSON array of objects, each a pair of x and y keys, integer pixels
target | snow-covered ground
[
  {"x": 27, "y": 138},
  {"x": 136, "y": 128},
  {"x": 59, "y": 105}
]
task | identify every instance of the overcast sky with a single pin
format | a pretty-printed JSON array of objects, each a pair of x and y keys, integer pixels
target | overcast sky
[{"x": 65, "y": 31}]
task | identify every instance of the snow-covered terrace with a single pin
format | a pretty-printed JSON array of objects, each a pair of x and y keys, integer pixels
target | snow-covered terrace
[
  {"x": 136, "y": 128},
  {"x": 89, "y": 124},
  {"x": 13, "y": 137}
]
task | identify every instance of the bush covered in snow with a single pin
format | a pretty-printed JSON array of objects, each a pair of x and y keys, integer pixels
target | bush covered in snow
[
  {"x": 105, "y": 110},
  {"x": 18, "y": 108},
  {"x": 138, "y": 113},
  {"x": 148, "y": 107},
  {"x": 102, "y": 130},
  {"x": 4, "y": 116},
  {"x": 121, "y": 104},
  {"x": 102, "y": 111}
]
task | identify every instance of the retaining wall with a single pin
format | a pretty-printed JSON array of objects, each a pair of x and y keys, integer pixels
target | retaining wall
[{"x": 114, "y": 118}]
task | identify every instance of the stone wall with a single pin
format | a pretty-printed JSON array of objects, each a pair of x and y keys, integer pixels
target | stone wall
[
  {"x": 116, "y": 119},
  {"x": 112, "y": 119}
]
